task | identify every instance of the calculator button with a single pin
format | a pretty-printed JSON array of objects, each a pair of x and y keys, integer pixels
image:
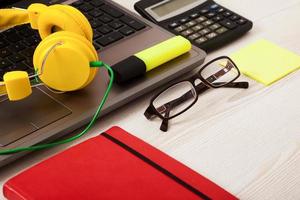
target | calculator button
[
  {"x": 227, "y": 14},
  {"x": 241, "y": 21},
  {"x": 180, "y": 28},
  {"x": 220, "y": 10},
  {"x": 234, "y": 17},
  {"x": 204, "y": 31},
  {"x": 173, "y": 25},
  {"x": 228, "y": 24},
  {"x": 214, "y": 6},
  {"x": 198, "y": 27},
  {"x": 218, "y": 18},
  {"x": 201, "y": 40},
  {"x": 191, "y": 23},
  {"x": 194, "y": 15},
  {"x": 204, "y": 11},
  {"x": 201, "y": 19},
  {"x": 210, "y": 14},
  {"x": 187, "y": 32},
  {"x": 184, "y": 20},
  {"x": 194, "y": 36},
  {"x": 221, "y": 30},
  {"x": 215, "y": 26},
  {"x": 211, "y": 35},
  {"x": 207, "y": 22}
]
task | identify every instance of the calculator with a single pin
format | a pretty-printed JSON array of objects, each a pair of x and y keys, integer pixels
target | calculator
[{"x": 207, "y": 24}]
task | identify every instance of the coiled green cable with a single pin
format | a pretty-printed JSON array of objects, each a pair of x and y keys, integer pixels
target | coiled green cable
[{"x": 87, "y": 128}]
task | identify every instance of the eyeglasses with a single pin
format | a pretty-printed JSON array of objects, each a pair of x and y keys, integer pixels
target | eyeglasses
[{"x": 181, "y": 96}]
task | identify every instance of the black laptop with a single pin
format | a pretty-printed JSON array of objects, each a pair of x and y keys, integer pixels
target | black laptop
[{"x": 45, "y": 116}]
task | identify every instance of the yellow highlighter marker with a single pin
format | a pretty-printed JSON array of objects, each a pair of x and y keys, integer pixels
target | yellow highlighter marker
[{"x": 150, "y": 58}]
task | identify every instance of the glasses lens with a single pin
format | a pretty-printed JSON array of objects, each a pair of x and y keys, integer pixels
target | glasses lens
[
  {"x": 220, "y": 72},
  {"x": 175, "y": 99}
]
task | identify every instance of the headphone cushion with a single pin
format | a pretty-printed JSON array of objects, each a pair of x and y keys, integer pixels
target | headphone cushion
[
  {"x": 78, "y": 17},
  {"x": 53, "y": 18},
  {"x": 67, "y": 67}
]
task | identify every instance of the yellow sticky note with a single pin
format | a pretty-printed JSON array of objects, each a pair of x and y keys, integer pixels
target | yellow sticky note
[{"x": 265, "y": 61}]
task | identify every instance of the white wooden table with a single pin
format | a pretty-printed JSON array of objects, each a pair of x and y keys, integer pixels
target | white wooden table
[{"x": 247, "y": 141}]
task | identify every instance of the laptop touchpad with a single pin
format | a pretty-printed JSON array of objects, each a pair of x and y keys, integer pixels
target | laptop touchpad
[{"x": 18, "y": 119}]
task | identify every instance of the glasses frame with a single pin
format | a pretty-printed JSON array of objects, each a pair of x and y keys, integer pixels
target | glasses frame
[{"x": 200, "y": 88}]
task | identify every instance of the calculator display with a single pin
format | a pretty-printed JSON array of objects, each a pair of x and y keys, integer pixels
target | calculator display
[{"x": 169, "y": 8}]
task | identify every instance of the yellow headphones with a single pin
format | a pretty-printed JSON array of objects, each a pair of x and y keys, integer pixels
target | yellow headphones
[{"x": 62, "y": 59}]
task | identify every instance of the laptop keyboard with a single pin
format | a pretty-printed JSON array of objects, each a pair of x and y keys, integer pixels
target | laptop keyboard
[{"x": 109, "y": 24}]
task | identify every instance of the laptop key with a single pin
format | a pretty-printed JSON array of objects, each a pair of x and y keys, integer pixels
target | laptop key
[
  {"x": 77, "y": 3},
  {"x": 21, "y": 66},
  {"x": 96, "y": 35},
  {"x": 3, "y": 43},
  {"x": 29, "y": 63},
  {"x": 26, "y": 32},
  {"x": 126, "y": 31},
  {"x": 96, "y": 13},
  {"x": 97, "y": 47},
  {"x": 86, "y": 8},
  {"x": 110, "y": 38},
  {"x": 13, "y": 37},
  {"x": 96, "y": 3},
  {"x": 116, "y": 24},
  {"x": 111, "y": 11},
  {"x": 4, "y": 63},
  {"x": 15, "y": 58},
  {"x": 17, "y": 47},
  {"x": 5, "y": 52},
  {"x": 95, "y": 23},
  {"x": 132, "y": 23},
  {"x": 104, "y": 29},
  {"x": 105, "y": 18},
  {"x": 28, "y": 52},
  {"x": 32, "y": 41}
]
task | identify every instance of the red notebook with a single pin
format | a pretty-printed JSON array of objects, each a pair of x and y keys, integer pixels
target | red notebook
[{"x": 112, "y": 166}]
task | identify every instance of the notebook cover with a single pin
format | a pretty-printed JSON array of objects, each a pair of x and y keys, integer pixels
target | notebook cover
[{"x": 114, "y": 165}]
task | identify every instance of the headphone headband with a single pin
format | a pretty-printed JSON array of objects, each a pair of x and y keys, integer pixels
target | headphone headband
[
  {"x": 13, "y": 17},
  {"x": 64, "y": 68}
]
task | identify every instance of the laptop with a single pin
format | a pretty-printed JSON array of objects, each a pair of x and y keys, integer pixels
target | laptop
[{"x": 46, "y": 116}]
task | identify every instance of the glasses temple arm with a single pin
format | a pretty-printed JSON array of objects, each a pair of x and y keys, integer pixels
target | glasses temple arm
[
  {"x": 220, "y": 73},
  {"x": 165, "y": 122},
  {"x": 242, "y": 84}
]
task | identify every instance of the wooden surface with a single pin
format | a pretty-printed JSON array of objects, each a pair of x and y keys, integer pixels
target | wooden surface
[{"x": 247, "y": 141}]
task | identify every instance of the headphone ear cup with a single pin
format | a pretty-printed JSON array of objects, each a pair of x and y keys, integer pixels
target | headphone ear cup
[
  {"x": 53, "y": 20},
  {"x": 67, "y": 66},
  {"x": 78, "y": 17}
]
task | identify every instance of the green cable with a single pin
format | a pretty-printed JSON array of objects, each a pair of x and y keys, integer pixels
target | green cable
[{"x": 88, "y": 127}]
